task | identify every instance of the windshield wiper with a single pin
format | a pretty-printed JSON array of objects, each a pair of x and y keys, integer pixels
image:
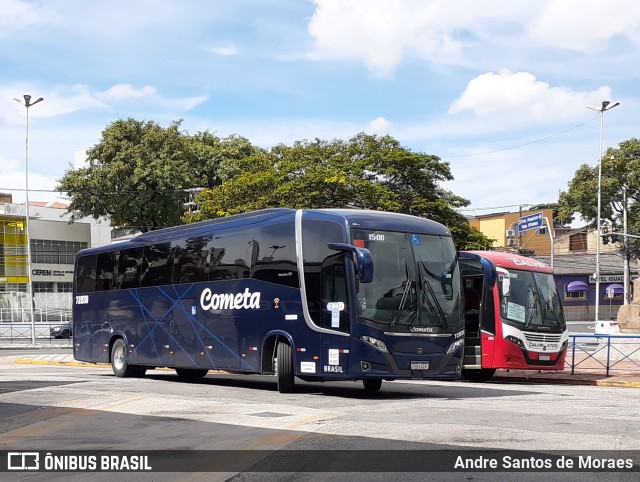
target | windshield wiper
[
  {"x": 532, "y": 309},
  {"x": 403, "y": 300},
  {"x": 435, "y": 307}
]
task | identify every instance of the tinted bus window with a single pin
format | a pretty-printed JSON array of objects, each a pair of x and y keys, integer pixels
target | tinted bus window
[
  {"x": 86, "y": 274},
  {"x": 107, "y": 271},
  {"x": 157, "y": 265},
  {"x": 191, "y": 259},
  {"x": 129, "y": 269},
  {"x": 231, "y": 256},
  {"x": 273, "y": 255},
  {"x": 324, "y": 272}
]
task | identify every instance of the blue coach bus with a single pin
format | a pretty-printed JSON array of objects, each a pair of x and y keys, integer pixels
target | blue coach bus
[{"x": 322, "y": 295}]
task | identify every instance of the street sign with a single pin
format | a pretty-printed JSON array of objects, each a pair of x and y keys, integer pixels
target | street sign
[{"x": 533, "y": 221}]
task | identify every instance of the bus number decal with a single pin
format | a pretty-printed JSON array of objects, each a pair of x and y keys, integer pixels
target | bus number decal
[
  {"x": 229, "y": 301},
  {"x": 82, "y": 300}
]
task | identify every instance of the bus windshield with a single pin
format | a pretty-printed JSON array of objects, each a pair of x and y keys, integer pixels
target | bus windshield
[
  {"x": 416, "y": 280},
  {"x": 532, "y": 300}
]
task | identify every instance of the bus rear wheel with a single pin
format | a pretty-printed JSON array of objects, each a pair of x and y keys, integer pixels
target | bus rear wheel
[
  {"x": 372, "y": 384},
  {"x": 284, "y": 368},
  {"x": 191, "y": 372},
  {"x": 478, "y": 376},
  {"x": 119, "y": 363}
]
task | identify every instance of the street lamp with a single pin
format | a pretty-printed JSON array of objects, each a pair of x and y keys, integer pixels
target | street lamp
[
  {"x": 606, "y": 105},
  {"x": 27, "y": 103}
]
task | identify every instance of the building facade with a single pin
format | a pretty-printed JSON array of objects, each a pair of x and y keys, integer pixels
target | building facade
[
  {"x": 573, "y": 258},
  {"x": 54, "y": 245}
]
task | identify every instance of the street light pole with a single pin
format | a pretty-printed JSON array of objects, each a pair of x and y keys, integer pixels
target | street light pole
[
  {"x": 27, "y": 103},
  {"x": 606, "y": 105}
]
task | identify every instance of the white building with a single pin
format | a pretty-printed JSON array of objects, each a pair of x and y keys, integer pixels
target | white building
[{"x": 54, "y": 245}]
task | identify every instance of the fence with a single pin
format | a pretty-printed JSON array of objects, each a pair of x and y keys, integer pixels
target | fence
[
  {"x": 21, "y": 332},
  {"x": 604, "y": 352},
  {"x": 13, "y": 315}
]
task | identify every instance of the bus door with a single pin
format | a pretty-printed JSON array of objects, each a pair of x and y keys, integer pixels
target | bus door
[
  {"x": 488, "y": 325},
  {"x": 335, "y": 316}
]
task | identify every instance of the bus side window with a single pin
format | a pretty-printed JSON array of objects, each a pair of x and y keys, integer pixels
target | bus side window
[
  {"x": 231, "y": 257},
  {"x": 157, "y": 265},
  {"x": 274, "y": 255},
  {"x": 190, "y": 260},
  {"x": 107, "y": 271},
  {"x": 489, "y": 313},
  {"x": 129, "y": 269},
  {"x": 86, "y": 274}
]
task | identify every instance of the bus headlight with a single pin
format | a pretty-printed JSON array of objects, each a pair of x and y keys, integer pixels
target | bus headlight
[
  {"x": 515, "y": 341},
  {"x": 455, "y": 345},
  {"x": 374, "y": 342}
]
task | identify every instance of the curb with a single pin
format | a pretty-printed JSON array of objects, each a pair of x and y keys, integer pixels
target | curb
[
  {"x": 565, "y": 381},
  {"x": 29, "y": 361},
  {"x": 502, "y": 379}
]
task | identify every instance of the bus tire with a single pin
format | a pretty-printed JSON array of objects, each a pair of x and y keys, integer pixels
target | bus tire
[
  {"x": 478, "y": 376},
  {"x": 191, "y": 372},
  {"x": 372, "y": 384},
  {"x": 284, "y": 368},
  {"x": 119, "y": 364}
]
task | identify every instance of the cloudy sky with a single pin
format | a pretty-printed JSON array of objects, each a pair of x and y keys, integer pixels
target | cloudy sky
[{"x": 496, "y": 88}]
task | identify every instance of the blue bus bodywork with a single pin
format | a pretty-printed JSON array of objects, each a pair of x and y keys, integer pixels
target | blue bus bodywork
[{"x": 277, "y": 291}]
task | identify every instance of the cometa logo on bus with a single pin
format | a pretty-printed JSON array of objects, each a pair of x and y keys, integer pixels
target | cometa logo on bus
[{"x": 229, "y": 301}]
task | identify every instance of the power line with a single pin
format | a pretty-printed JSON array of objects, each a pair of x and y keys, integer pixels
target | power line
[{"x": 521, "y": 145}]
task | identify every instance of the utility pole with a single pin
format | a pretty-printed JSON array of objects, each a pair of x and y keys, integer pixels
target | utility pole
[{"x": 625, "y": 244}]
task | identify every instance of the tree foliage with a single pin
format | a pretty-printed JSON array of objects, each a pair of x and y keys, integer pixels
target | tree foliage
[
  {"x": 620, "y": 172},
  {"x": 366, "y": 172},
  {"x": 140, "y": 174}
]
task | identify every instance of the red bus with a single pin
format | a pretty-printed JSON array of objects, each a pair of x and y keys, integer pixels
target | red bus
[{"x": 513, "y": 315}]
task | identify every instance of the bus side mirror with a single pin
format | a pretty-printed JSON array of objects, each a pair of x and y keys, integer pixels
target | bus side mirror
[
  {"x": 362, "y": 258},
  {"x": 505, "y": 281}
]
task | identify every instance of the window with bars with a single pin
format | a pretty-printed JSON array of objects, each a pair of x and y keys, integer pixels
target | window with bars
[{"x": 54, "y": 251}]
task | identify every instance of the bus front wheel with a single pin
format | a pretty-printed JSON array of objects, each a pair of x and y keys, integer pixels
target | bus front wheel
[
  {"x": 478, "y": 376},
  {"x": 119, "y": 364},
  {"x": 284, "y": 368},
  {"x": 372, "y": 384}
]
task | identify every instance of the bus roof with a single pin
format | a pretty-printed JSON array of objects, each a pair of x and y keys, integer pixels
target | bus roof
[
  {"x": 511, "y": 261},
  {"x": 366, "y": 219}
]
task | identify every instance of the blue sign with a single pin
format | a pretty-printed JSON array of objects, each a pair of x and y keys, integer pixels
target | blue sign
[{"x": 533, "y": 221}]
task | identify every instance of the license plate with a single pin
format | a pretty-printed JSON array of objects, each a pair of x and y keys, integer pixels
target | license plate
[
  {"x": 419, "y": 365},
  {"x": 545, "y": 357}
]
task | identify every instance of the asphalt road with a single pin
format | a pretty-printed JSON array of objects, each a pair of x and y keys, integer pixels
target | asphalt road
[{"x": 78, "y": 408}]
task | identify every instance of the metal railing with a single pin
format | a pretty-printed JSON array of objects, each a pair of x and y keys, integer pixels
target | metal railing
[
  {"x": 21, "y": 332},
  {"x": 11, "y": 315},
  {"x": 603, "y": 352}
]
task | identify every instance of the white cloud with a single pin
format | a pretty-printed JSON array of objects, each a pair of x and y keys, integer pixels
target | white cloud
[
  {"x": 379, "y": 125},
  {"x": 585, "y": 26},
  {"x": 522, "y": 92},
  {"x": 225, "y": 51},
  {"x": 24, "y": 15},
  {"x": 384, "y": 33},
  {"x": 126, "y": 91}
]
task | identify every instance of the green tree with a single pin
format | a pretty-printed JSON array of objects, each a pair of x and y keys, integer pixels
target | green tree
[
  {"x": 620, "y": 172},
  {"x": 140, "y": 174},
  {"x": 367, "y": 172}
]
